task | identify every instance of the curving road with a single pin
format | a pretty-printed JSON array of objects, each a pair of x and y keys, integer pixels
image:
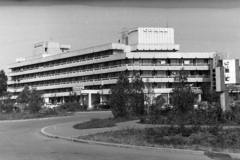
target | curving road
[{"x": 23, "y": 141}]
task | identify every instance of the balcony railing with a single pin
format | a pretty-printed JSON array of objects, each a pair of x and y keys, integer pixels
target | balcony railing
[
  {"x": 167, "y": 64},
  {"x": 59, "y": 64},
  {"x": 70, "y": 72},
  {"x": 63, "y": 83}
]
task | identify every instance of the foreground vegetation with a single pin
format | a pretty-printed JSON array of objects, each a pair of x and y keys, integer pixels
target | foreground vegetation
[
  {"x": 25, "y": 115},
  {"x": 100, "y": 123},
  {"x": 191, "y": 124},
  {"x": 205, "y": 139}
]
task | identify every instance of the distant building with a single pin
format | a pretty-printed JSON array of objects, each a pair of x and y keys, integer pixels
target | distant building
[{"x": 151, "y": 52}]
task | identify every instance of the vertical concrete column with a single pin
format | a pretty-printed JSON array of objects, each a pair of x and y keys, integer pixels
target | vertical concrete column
[
  {"x": 168, "y": 97},
  {"x": 46, "y": 99},
  {"x": 89, "y": 101},
  {"x": 101, "y": 98},
  {"x": 224, "y": 98},
  {"x": 199, "y": 97},
  {"x": 81, "y": 99}
]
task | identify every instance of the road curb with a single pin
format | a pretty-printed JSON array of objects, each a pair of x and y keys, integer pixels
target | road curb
[
  {"x": 233, "y": 155},
  {"x": 34, "y": 119}
]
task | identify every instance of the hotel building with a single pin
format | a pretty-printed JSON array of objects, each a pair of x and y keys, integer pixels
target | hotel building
[{"x": 151, "y": 52}]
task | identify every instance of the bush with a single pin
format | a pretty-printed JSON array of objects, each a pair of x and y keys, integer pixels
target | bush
[
  {"x": 50, "y": 111},
  {"x": 214, "y": 136},
  {"x": 73, "y": 106},
  {"x": 7, "y": 108},
  {"x": 99, "y": 123}
]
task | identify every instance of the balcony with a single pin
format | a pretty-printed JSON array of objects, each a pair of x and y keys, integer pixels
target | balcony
[
  {"x": 67, "y": 84},
  {"x": 84, "y": 72},
  {"x": 51, "y": 66}
]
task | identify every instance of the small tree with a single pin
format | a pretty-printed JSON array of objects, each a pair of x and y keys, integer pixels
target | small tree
[
  {"x": 31, "y": 98},
  {"x": 157, "y": 109},
  {"x": 72, "y": 97},
  {"x": 24, "y": 96},
  {"x": 137, "y": 95},
  {"x": 119, "y": 97},
  {"x": 149, "y": 95},
  {"x": 3, "y": 83},
  {"x": 182, "y": 98},
  {"x": 35, "y": 100},
  {"x": 210, "y": 96}
]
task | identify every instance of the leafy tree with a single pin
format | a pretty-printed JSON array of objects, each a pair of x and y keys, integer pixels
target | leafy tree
[
  {"x": 119, "y": 97},
  {"x": 7, "y": 104},
  {"x": 149, "y": 95},
  {"x": 160, "y": 101},
  {"x": 157, "y": 109},
  {"x": 35, "y": 100},
  {"x": 72, "y": 97},
  {"x": 137, "y": 95},
  {"x": 31, "y": 98},
  {"x": 24, "y": 96},
  {"x": 210, "y": 96},
  {"x": 182, "y": 98},
  {"x": 3, "y": 82}
]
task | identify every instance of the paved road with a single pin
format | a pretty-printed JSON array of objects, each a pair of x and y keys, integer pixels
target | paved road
[{"x": 23, "y": 141}]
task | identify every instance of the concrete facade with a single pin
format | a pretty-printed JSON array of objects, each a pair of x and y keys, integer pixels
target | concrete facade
[{"x": 151, "y": 52}]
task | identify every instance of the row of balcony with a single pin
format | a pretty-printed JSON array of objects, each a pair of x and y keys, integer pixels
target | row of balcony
[
  {"x": 59, "y": 64},
  {"x": 99, "y": 80},
  {"x": 77, "y": 71},
  {"x": 167, "y": 64},
  {"x": 95, "y": 69},
  {"x": 101, "y": 57},
  {"x": 64, "y": 83},
  {"x": 66, "y": 73}
]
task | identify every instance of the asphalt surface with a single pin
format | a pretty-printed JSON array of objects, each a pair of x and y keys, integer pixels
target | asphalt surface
[{"x": 22, "y": 141}]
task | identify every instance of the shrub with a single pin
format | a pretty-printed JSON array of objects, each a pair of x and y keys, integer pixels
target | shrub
[
  {"x": 73, "y": 106},
  {"x": 99, "y": 123},
  {"x": 7, "y": 107}
]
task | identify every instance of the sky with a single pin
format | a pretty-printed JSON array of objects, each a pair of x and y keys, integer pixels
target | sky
[{"x": 199, "y": 25}]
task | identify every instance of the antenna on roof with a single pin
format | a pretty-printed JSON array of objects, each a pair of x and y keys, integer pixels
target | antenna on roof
[
  {"x": 228, "y": 54},
  {"x": 167, "y": 23}
]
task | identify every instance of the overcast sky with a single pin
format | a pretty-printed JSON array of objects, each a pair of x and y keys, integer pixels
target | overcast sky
[{"x": 200, "y": 25}]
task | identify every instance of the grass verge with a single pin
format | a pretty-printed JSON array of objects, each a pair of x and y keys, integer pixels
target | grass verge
[
  {"x": 100, "y": 123},
  {"x": 20, "y": 116},
  {"x": 207, "y": 139}
]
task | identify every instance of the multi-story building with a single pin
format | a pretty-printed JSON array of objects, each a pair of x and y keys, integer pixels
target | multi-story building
[{"x": 151, "y": 52}]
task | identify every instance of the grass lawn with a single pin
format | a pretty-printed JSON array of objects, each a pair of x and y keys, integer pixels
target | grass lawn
[
  {"x": 18, "y": 116},
  {"x": 100, "y": 123},
  {"x": 207, "y": 139}
]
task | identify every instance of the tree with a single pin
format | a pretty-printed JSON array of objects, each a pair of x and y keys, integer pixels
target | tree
[
  {"x": 149, "y": 95},
  {"x": 3, "y": 82},
  {"x": 72, "y": 97},
  {"x": 24, "y": 96},
  {"x": 119, "y": 97},
  {"x": 182, "y": 98},
  {"x": 35, "y": 100},
  {"x": 208, "y": 95},
  {"x": 137, "y": 95},
  {"x": 31, "y": 98}
]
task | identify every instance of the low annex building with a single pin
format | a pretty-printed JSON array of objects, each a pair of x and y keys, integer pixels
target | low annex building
[{"x": 151, "y": 52}]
